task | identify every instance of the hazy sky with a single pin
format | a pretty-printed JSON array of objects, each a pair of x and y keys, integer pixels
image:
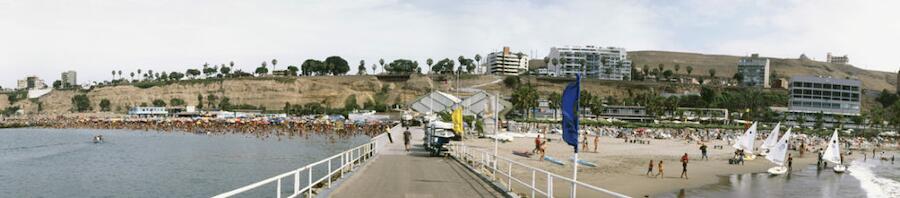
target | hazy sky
[{"x": 94, "y": 37}]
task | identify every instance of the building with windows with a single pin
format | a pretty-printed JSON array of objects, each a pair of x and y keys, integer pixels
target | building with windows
[
  {"x": 755, "y": 71},
  {"x": 837, "y": 59},
  {"x": 506, "y": 63},
  {"x": 31, "y": 82},
  {"x": 834, "y": 101},
  {"x": 148, "y": 111},
  {"x": 69, "y": 79},
  {"x": 594, "y": 62}
]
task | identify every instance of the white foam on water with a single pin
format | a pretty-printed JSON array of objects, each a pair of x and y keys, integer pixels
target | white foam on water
[{"x": 873, "y": 185}]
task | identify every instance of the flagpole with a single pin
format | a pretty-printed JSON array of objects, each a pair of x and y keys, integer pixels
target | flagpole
[{"x": 575, "y": 161}]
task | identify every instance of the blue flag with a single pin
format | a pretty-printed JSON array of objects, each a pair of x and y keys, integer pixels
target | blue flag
[{"x": 569, "y": 106}]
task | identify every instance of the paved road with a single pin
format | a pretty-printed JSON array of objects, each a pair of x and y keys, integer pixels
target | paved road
[{"x": 397, "y": 173}]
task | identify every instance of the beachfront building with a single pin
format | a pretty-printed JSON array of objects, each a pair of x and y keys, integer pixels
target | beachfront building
[
  {"x": 837, "y": 59},
  {"x": 506, "y": 63},
  {"x": 833, "y": 98},
  {"x": 699, "y": 115},
  {"x": 610, "y": 63},
  {"x": 626, "y": 113},
  {"x": 148, "y": 111},
  {"x": 755, "y": 71},
  {"x": 69, "y": 79}
]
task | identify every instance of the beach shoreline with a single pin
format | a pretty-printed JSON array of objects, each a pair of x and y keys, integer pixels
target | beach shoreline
[{"x": 622, "y": 166}]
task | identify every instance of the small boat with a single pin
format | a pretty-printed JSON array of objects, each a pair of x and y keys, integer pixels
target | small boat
[
  {"x": 745, "y": 142},
  {"x": 585, "y": 163},
  {"x": 777, "y": 154},
  {"x": 833, "y": 153},
  {"x": 770, "y": 142},
  {"x": 554, "y": 160},
  {"x": 98, "y": 139}
]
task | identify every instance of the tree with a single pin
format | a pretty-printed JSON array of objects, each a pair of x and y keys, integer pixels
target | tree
[
  {"x": 262, "y": 70},
  {"x": 312, "y": 67},
  {"x": 274, "y": 63},
  {"x": 193, "y": 73},
  {"x": 511, "y": 81},
  {"x": 429, "y": 62},
  {"x": 57, "y": 84},
  {"x": 739, "y": 77},
  {"x": 176, "y": 102},
  {"x": 120, "y": 74},
  {"x": 350, "y": 103},
  {"x": 555, "y": 100},
  {"x": 337, "y": 65},
  {"x": 712, "y": 73},
  {"x": 225, "y": 70},
  {"x": 689, "y": 69},
  {"x": 159, "y": 103},
  {"x": 132, "y": 75},
  {"x": 176, "y": 76},
  {"x": 677, "y": 67},
  {"x": 104, "y": 105},
  {"x": 361, "y": 69},
  {"x": 478, "y": 59},
  {"x": 524, "y": 98},
  {"x": 211, "y": 100},
  {"x": 668, "y": 74},
  {"x": 661, "y": 67},
  {"x": 292, "y": 70},
  {"x": 444, "y": 66},
  {"x": 886, "y": 98},
  {"x": 199, "y": 101},
  {"x": 401, "y": 66},
  {"x": 81, "y": 103},
  {"x": 114, "y": 74},
  {"x": 381, "y": 62},
  {"x": 820, "y": 120}
]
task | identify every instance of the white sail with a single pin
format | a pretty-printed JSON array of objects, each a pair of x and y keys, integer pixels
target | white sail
[
  {"x": 833, "y": 151},
  {"x": 746, "y": 141},
  {"x": 779, "y": 150},
  {"x": 772, "y": 139}
]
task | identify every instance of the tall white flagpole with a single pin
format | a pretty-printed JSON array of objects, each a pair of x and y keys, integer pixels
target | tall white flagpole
[{"x": 575, "y": 161}]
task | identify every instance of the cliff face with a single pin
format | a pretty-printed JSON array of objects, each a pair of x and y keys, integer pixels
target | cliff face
[
  {"x": 271, "y": 94},
  {"x": 726, "y": 66}
]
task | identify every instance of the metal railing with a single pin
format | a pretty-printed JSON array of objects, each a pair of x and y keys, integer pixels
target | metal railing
[
  {"x": 348, "y": 159},
  {"x": 489, "y": 165}
]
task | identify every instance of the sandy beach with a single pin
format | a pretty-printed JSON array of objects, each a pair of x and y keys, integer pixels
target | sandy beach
[{"x": 622, "y": 166}]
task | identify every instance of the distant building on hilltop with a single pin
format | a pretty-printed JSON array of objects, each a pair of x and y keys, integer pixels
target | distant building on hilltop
[
  {"x": 780, "y": 83},
  {"x": 31, "y": 82},
  {"x": 755, "y": 71},
  {"x": 69, "y": 79},
  {"x": 506, "y": 63},
  {"x": 609, "y": 63},
  {"x": 837, "y": 59}
]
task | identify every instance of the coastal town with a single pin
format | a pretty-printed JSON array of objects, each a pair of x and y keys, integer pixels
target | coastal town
[{"x": 449, "y": 99}]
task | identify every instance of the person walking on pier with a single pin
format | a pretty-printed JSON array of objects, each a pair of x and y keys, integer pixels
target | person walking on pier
[{"x": 406, "y": 137}]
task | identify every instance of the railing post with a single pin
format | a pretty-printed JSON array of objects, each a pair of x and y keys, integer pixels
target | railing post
[
  {"x": 533, "y": 186},
  {"x": 549, "y": 185},
  {"x": 329, "y": 173},
  {"x": 309, "y": 183},
  {"x": 297, "y": 182},
  {"x": 509, "y": 177},
  {"x": 278, "y": 188}
]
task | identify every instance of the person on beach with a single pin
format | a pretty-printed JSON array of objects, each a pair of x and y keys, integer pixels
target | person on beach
[
  {"x": 542, "y": 148},
  {"x": 584, "y": 141},
  {"x": 650, "y": 169},
  {"x": 819, "y": 162},
  {"x": 596, "y": 143},
  {"x": 537, "y": 145},
  {"x": 741, "y": 154},
  {"x": 660, "y": 174},
  {"x": 406, "y": 137},
  {"x": 790, "y": 161},
  {"x": 684, "y": 162},
  {"x": 703, "y": 151}
]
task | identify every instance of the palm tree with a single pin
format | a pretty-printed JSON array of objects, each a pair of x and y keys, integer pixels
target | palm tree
[
  {"x": 478, "y": 59},
  {"x": 231, "y": 64},
  {"x": 429, "y": 62},
  {"x": 132, "y": 75},
  {"x": 555, "y": 98},
  {"x": 274, "y": 62},
  {"x": 583, "y": 63},
  {"x": 689, "y": 69},
  {"x": 712, "y": 73},
  {"x": 677, "y": 67},
  {"x": 114, "y": 74},
  {"x": 381, "y": 62},
  {"x": 120, "y": 74}
]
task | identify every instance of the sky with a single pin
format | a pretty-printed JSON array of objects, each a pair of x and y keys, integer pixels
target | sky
[{"x": 95, "y": 37}]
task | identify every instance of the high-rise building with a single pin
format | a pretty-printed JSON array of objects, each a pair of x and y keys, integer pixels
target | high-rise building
[
  {"x": 755, "y": 71},
  {"x": 69, "y": 79},
  {"x": 595, "y": 62},
  {"x": 31, "y": 82},
  {"x": 837, "y": 59},
  {"x": 811, "y": 94},
  {"x": 506, "y": 63}
]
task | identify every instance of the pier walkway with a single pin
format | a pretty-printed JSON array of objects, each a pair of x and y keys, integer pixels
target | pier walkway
[{"x": 397, "y": 173}]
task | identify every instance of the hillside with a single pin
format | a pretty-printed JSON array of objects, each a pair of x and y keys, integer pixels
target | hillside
[{"x": 726, "y": 66}]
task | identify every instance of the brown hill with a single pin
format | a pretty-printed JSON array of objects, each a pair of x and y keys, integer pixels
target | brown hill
[{"x": 726, "y": 66}]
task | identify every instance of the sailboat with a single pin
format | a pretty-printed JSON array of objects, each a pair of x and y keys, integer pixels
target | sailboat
[
  {"x": 777, "y": 153},
  {"x": 770, "y": 141},
  {"x": 833, "y": 153},
  {"x": 746, "y": 141}
]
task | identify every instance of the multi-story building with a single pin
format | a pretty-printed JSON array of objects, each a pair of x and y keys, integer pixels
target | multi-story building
[
  {"x": 595, "y": 62},
  {"x": 813, "y": 94},
  {"x": 69, "y": 79},
  {"x": 31, "y": 82},
  {"x": 506, "y": 63},
  {"x": 755, "y": 71},
  {"x": 837, "y": 59}
]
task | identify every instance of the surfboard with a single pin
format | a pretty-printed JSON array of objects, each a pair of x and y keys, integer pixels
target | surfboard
[{"x": 554, "y": 160}]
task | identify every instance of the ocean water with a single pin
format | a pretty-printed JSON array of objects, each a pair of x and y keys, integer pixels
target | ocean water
[
  {"x": 871, "y": 178},
  {"x": 65, "y": 163}
]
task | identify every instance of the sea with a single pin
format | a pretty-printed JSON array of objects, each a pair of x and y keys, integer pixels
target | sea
[
  {"x": 864, "y": 178},
  {"x": 66, "y": 163}
]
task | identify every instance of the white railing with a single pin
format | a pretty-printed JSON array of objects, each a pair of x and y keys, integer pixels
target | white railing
[
  {"x": 348, "y": 159},
  {"x": 488, "y": 165}
]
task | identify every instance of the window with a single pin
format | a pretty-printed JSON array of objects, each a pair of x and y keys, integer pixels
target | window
[
  {"x": 807, "y": 84},
  {"x": 817, "y": 85},
  {"x": 826, "y": 86}
]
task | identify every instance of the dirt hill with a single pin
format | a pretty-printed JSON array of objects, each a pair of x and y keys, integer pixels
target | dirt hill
[{"x": 726, "y": 66}]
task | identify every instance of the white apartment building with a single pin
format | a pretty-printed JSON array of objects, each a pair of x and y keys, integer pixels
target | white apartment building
[
  {"x": 506, "y": 63},
  {"x": 610, "y": 63},
  {"x": 69, "y": 79}
]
